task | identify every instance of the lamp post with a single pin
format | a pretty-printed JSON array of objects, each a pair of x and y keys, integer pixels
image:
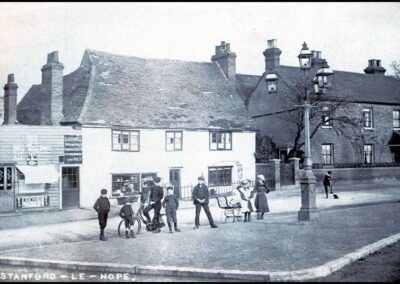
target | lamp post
[{"x": 308, "y": 210}]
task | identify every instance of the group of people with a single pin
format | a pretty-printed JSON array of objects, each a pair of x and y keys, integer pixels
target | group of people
[{"x": 250, "y": 200}]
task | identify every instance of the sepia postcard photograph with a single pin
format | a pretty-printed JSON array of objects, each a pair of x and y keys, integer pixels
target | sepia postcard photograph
[{"x": 200, "y": 142}]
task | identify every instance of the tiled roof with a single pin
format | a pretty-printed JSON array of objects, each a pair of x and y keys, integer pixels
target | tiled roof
[
  {"x": 351, "y": 86},
  {"x": 245, "y": 85},
  {"x": 150, "y": 93}
]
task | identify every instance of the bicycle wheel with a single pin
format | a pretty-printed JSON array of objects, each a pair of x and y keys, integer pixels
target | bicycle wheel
[{"x": 136, "y": 227}]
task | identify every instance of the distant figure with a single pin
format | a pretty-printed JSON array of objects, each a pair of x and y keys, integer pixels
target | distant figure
[
  {"x": 200, "y": 196},
  {"x": 261, "y": 202},
  {"x": 171, "y": 204},
  {"x": 328, "y": 183},
  {"x": 102, "y": 207},
  {"x": 243, "y": 195},
  {"x": 126, "y": 213}
]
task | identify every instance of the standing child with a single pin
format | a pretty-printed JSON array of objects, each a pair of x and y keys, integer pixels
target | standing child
[
  {"x": 126, "y": 213},
  {"x": 328, "y": 182},
  {"x": 261, "y": 202},
  {"x": 171, "y": 204},
  {"x": 102, "y": 207}
]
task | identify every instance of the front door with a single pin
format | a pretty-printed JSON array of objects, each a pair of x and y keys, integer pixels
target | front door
[
  {"x": 70, "y": 187},
  {"x": 175, "y": 180},
  {"x": 6, "y": 189}
]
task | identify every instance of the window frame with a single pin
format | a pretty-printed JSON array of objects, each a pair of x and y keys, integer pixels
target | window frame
[
  {"x": 217, "y": 168},
  {"x": 371, "y": 117},
  {"x": 174, "y": 143},
  {"x": 372, "y": 154},
  {"x": 331, "y": 153},
  {"x": 121, "y": 132},
  {"x": 224, "y": 140},
  {"x": 330, "y": 122},
  {"x": 398, "y": 119}
]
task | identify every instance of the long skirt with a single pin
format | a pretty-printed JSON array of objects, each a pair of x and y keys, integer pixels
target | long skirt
[{"x": 261, "y": 202}]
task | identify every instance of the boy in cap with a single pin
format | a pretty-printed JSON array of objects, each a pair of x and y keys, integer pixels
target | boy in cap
[
  {"x": 126, "y": 213},
  {"x": 102, "y": 207},
  {"x": 171, "y": 204},
  {"x": 155, "y": 197},
  {"x": 200, "y": 199}
]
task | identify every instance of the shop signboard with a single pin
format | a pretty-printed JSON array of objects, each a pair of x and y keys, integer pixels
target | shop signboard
[
  {"x": 73, "y": 149},
  {"x": 33, "y": 201}
]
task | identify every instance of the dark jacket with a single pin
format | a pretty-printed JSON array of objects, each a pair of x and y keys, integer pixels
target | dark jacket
[
  {"x": 327, "y": 179},
  {"x": 200, "y": 192},
  {"x": 126, "y": 211},
  {"x": 170, "y": 202},
  {"x": 102, "y": 205},
  {"x": 156, "y": 194}
]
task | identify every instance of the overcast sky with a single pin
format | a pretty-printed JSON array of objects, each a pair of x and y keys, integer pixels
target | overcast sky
[{"x": 348, "y": 34}]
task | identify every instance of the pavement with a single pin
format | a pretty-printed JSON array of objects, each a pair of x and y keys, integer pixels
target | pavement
[{"x": 279, "y": 247}]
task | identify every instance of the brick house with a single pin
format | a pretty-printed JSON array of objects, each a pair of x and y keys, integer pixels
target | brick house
[
  {"x": 139, "y": 117},
  {"x": 373, "y": 98}
]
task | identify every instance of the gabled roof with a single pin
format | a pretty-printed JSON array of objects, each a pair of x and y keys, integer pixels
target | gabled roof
[
  {"x": 129, "y": 91},
  {"x": 245, "y": 85}
]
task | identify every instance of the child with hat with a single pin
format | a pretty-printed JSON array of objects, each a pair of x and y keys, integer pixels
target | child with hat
[
  {"x": 261, "y": 202},
  {"x": 171, "y": 204},
  {"x": 102, "y": 207}
]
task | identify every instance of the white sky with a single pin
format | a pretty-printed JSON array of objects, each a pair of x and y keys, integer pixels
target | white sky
[{"x": 348, "y": 34}]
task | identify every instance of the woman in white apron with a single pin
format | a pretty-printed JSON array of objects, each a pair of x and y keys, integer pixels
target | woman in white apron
[{"x": 242, "y": 195}]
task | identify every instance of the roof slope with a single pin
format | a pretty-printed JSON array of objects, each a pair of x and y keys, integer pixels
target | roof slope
[
  {"x": 152, "y": 93},
  {"x": 245, "y": 85},
  {"x": 129, "y": 91}
]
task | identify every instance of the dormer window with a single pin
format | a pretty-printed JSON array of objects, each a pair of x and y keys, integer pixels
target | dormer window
[{"x": 272, "y": 81}]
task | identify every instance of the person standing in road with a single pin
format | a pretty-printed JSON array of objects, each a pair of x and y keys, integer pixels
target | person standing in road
[
  {"x": 127, "y": 213},
  {"x": 261, "y": 202},
  {"x": 328, "y": 183},
  {"x": 171, "y": 204},
  {"x": 243, "y": 195},
  {"x": 102, "y": 207},
  {"x": 200, "y": 197},
  {"x": 155, "y": 197}
]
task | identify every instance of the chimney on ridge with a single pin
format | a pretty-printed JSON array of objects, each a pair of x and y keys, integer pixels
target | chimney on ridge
[
  {"x": 271, "y": 55},
  {"x": 226, "y": 60},
  {"x": 316, "y": 60},
  {"x": 375, "y": 67},
  {"x": 52, "y": 89},
  {"x": 10, "y": 101}
]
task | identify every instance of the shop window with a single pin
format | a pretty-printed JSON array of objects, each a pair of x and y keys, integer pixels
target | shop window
[
  {"x": 30, "y": 187},
  {"x": 173, "y": 140},
  {"x": 125, "y": 140},
  {"x": 128, "y": 184},
  {"x": 368, "y": 153},
  {"x": 220, "y": 140},
  {"x": 219, "y": 176}
]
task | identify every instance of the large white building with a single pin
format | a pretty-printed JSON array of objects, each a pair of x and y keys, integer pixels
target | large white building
[{"x": 137, "y": 117}]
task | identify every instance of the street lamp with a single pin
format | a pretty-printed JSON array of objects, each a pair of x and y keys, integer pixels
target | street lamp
[{"x": 320, "y": 82}]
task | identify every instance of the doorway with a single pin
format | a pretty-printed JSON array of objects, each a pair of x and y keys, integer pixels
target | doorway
[
  {"x": 70, "y": 187},
  {"x": 7, "y": 190},
  {"x": 175, "y": 180}
]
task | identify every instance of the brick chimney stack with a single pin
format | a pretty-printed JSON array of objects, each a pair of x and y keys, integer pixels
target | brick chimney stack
[
  {"x": 52, "y": 89},
  {"x": 226, "y": 59},
  {"x": 272, "y": 54},
  {"x": 375, "y": 67},
  {"x": 316, "y": 60},
  {"x": 10, "y": 101}
]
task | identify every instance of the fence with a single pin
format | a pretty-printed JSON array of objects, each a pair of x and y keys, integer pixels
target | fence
[{"x": 354, "y": 165}]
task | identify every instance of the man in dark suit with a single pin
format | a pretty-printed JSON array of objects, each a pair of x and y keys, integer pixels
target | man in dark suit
[
  {"x": 200, "y": 196},
  {"x": 156, "y": 195}
]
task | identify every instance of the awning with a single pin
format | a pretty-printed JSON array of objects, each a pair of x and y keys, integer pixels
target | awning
[
  {"x": 39, "y": 173},
  {"x": 395, "y": 139}
]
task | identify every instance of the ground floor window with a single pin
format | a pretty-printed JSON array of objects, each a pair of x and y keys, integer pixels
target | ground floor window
[
  {"x": 128, "y": 184},
  {"x": 327, "y": 154},
  {"x": 368, "y": 153},
  {"x": 219, "y": 176}
]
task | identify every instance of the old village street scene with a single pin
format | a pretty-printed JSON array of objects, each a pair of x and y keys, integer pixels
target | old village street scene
[{"x": 200, "y": 141}]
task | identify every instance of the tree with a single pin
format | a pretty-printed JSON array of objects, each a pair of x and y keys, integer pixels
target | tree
[
  {"x": 326, "y": 109},
  {"x": 265, "y": 149},
  {"x": 396, "y": 69}
]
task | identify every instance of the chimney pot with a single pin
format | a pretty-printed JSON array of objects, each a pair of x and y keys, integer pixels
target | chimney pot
[
  {"x": 272, "y": 43},
  {"x": 10, "y": 78},
  {"x": 271, "y": 55},
  {"x": 228, "y": 47},
  {"x": 319, "y": 55},
  {"x": 375, "y": 67},
  {"x": 226, "y": 60},
  {"x": 10, "y": 101}
]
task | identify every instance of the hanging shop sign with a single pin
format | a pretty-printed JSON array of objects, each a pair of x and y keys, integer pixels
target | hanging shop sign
[
  {"x": 33, "y": 201},
  {"x": 73, "y": 149}
]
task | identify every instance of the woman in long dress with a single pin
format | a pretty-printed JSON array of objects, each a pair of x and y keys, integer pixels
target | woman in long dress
[{"x": 261, "y": 202}]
